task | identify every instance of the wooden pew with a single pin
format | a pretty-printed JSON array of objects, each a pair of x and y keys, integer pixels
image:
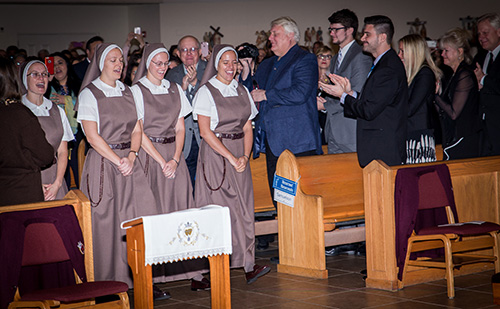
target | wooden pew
[
  {"x": 336, "y": 166},
  {"x": 262, "y": 196},
  {"x": 476, "y": 186},
  {"x": 263, "y": 202},
  {"x": 81, "y": 205},
  {"x": 329, "y": 192},
  {"x": 329, "y": 195}
]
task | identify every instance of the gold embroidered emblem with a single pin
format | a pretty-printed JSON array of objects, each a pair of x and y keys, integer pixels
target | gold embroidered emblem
[{"x": 188, "y": 233}]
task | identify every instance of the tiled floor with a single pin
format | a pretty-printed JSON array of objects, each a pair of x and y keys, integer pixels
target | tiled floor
[{"x": 344, "y": 288}]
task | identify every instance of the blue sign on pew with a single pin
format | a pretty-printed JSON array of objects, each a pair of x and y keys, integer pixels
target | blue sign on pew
[
  {"x": 285, "y": 185},
  {"x": 284, "y": 190}
]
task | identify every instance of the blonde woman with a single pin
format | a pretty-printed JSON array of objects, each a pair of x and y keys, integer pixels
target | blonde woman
[
  {"x": 458, "y": 99},
  {"x": 422, "y": 74}
]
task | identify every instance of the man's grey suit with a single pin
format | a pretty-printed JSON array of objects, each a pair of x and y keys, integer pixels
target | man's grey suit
[
  {"x": 175, "y": 75},
  {"x": 340, "y": 131}
]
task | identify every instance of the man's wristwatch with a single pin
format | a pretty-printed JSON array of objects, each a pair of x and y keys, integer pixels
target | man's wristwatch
[{"x": 135, "y": 152}]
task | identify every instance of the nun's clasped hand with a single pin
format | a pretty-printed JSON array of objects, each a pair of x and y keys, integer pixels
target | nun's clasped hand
[
  {"x": 169, "y": 168},
  {"x": 125, "y": 167}
]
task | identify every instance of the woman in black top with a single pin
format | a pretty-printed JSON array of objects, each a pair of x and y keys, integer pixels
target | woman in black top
[
  {"x": 457, "y": 100},
  {"x": 63, "y": 90},
  {"x": 422, "y": 73}
]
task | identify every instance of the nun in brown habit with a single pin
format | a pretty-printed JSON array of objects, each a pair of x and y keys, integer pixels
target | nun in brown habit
[
  {"x": 224, "y": 110},
  {"x": 165, "y": 105},
  {"x": 54, "y": 122},
  {"x": 24, "y": 150},
  {"x": 112, "y": 177}
]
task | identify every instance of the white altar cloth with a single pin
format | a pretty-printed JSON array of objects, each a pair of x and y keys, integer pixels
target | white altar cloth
[{"x": 191, "y": 233}]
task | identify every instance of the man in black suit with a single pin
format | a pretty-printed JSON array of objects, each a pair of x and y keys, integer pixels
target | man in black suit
[
  {"x": 189, "y": 75},
  {"x": 81, "y": 67},
  {"x": 381, "y": 108},
  {"x": 488, "y": 75}
]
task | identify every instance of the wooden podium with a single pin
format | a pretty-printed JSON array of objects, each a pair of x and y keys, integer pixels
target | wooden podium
[{"x": 143, "y": 278}]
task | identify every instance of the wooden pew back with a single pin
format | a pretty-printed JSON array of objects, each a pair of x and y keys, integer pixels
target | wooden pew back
[
  {"x": 476, "y": 187},
  {"x": 82, "y": 209},
  {"x": 338, "y": 179},
  {"x": 261, "y": 192}
]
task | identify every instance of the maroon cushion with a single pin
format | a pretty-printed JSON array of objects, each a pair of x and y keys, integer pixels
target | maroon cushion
[
  {"x": 461, "y": 230},
  {"x": 77, "y": 292}
]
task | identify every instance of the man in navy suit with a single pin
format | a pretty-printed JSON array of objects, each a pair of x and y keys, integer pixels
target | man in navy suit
[
  {"x": 382, "y": 107},
  {"x": 286, "y": 96},
  {"x": 488, "y": 75},
  {"x": 81, "y": 67}
]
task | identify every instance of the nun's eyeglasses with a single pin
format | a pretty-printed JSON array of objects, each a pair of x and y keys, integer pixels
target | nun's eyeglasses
[
  {"x": 38, "y": 75},
  {"x": 161, "y": 64},
  {"x": 185, "y": 50}
]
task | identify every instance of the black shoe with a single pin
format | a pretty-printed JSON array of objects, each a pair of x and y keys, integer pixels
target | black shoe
[
  {"x": 158, "y": 294},
  {"x": 203, "y": 285},
  {"x": 334, "y": 251},
  {"x": 258, "y": 271},
  {"x": 262, "y": 246}
]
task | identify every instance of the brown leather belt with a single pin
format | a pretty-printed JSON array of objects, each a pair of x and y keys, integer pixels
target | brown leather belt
[
  {"x": 229, "y": 135},
  {"x": 162, "y": 140},
  {"x": 120, "y": 145}
]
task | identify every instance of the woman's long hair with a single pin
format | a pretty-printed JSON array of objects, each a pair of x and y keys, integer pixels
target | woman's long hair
[
  {"x": 72, "y": 82},
  {"x": 416, "y": 55},
  {"x": 9, "y": 82}
]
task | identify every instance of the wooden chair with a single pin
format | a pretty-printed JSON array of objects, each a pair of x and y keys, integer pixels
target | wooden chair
[
  {"x": 435, "y": 225},
  {"x": 48, "y": 233}
]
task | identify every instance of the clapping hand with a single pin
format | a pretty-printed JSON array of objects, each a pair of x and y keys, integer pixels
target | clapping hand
[
  {"x": 190, "y": 77},
  {"x": 339, "y": 86},
  {"x": 478, "y": 71}
]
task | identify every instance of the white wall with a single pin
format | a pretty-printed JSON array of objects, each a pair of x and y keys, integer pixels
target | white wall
[
  {"x": 58, "y": 24},
  {"x": 148, "y": 18},
  {"x": 240, "y": 19}
]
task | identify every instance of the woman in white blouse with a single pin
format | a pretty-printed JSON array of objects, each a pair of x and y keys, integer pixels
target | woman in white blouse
[
  {"x": 112, "y": 178},
  {"x": 54, "y": 122},
  {"x": 224, "y": 110},
  {"x": 164, "y": 106}
]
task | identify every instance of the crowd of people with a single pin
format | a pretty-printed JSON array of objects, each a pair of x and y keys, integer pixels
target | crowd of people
[{"x": 171, "y": 129}]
